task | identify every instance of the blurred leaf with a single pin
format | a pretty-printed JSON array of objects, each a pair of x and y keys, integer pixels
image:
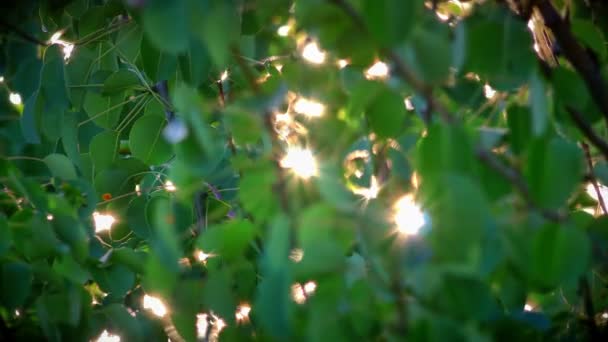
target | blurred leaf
[
  {"x": 146, "y": 141},
  {"x": 165, "y": 25},
  {"x": 391, "y": 21},
  {"x": 60, "y": 166},
  {"x": 549, "y": 188},
  {"x": 386, "y": 114}
]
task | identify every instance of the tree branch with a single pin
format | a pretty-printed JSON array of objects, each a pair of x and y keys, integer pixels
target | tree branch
[
  {"x": 517, "y": 181},
  {"x": 576, "y": 54},
  {"x": 593, "y": 181},
  {"x": 588, "y": 131}
]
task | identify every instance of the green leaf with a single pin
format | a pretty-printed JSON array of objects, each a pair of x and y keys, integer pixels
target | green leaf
[
  {"x": 430, "y": 55},
  {"x": 549, "y": 188},
  {"x": 5, "y": 237},
  {"x": 391, "y": 21},
  {"x": 128, "y": 42},
  {"x": 71, "y": 270},
  {"x": 219, "y": 29},
  {"x": 103, "y": 110},
  {"x": 386, "y": 114},
  {"x": 115, "y": 280},
  {"x": 217, "y": 295},
  {"x": 165, "y": 25},
  {"x": 15, "y": 284},
  {"x": 69, "y": 138},
  {"x": 60, "y": 166},
  {"x": 120, "y": 81},
  {"x": 146, "y": 141},
  {"x": 499, "y": 49},
  {"x": 559, "y": 256},
  {"x": 157, "y": 64},
  {"x": 589, "y": 34},
  {"x": 229, "y": 240},
  {"x": 104, "y": 150},
  {"x": 29, "y": 121},
  {"x": 70, "y": 230}
]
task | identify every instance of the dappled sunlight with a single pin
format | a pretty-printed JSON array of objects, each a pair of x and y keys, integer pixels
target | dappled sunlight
[
  {"x": 155, "y": 305},
  {"x": 107, "y": 337},
  {"x": 378, "y": 71},
  {"x": 313, "y": 54},
  {"x": 300, "y": 161},
  {"x": 103, "y": 222},
  {"x": 408, "y": 216},
  {"x": 15, "y": 99},
  {"x": 309, "y": 107}
]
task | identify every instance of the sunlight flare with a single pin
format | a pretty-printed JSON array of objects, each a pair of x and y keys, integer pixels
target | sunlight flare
[
  {"x": 242, "y": 313},
  {"x": 408, "y": 216},
  {"x": 15, "y": 99},
  {"x": 309, "y": 107},
  {"x": 103, "y": 222},
  {"x": 300, "y": 161},
  {"x": 378, "y": 71},
  {"x": 313, "y": 54},
  {"x": 155, "y": 305},
  {"x": 107, "y": 337}
]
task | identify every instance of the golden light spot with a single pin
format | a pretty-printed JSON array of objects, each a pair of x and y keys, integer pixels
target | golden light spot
[
  {"x": 408, "y": 216},
  {"x": 242, "y": 313},
  {"x": 377, "y": 71},
  {"x": 283, "y": 30},
  {"x": 15, "y": 99},
  {"x": 313, "y": 54},
  {"x": 300, "y": 293},
  {"x": 103, "y": 222},
  {"x": 408, "y": 103},
  {"x": 107, "y": 337},
  {"x": 309, "y": 107},
  {"x": 202, "y": 256},
  {"x": 296, "y": 255},
  {"x": 488, "y": 91},
  {"x": 342, "y": 63},
  {"x": 155, "y": 305},
  {"x": 49, "y": 217},
  {"x": 169, "y": 186},
  {"x": 300, "y": 161},
  {"x": 368, "y": 193},
  {"x": 224, "y": 76},
  {"x": 68, "y": 47}
]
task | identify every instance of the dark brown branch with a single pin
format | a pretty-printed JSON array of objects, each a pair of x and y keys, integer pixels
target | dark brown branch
[
  {"x": 600, "y": 198},
  {"x": 514, "y": 177},
  {"x": 576, "y": 54},
  {"x": 588, "y": 131}
]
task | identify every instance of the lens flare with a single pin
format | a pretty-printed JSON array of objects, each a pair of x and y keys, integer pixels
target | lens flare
[
  {"x": 155, "y": 305},
  {"x": 313, "y": 54},
  {"x": 103, "y": 222},
  {"x": 408, "y": 216},
  {"x": 300, "y": 161}
]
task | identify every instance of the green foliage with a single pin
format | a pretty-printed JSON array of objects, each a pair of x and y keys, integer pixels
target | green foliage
[{"x": 203, "y": 154}]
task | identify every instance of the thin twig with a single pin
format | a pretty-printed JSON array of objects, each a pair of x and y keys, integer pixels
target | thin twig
[
  {"x": 600, "y": 198},
  {"x": 514, "y": 177},
  {"x": 576, "y": 54},
  {"x": 588, "y": 131}
]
